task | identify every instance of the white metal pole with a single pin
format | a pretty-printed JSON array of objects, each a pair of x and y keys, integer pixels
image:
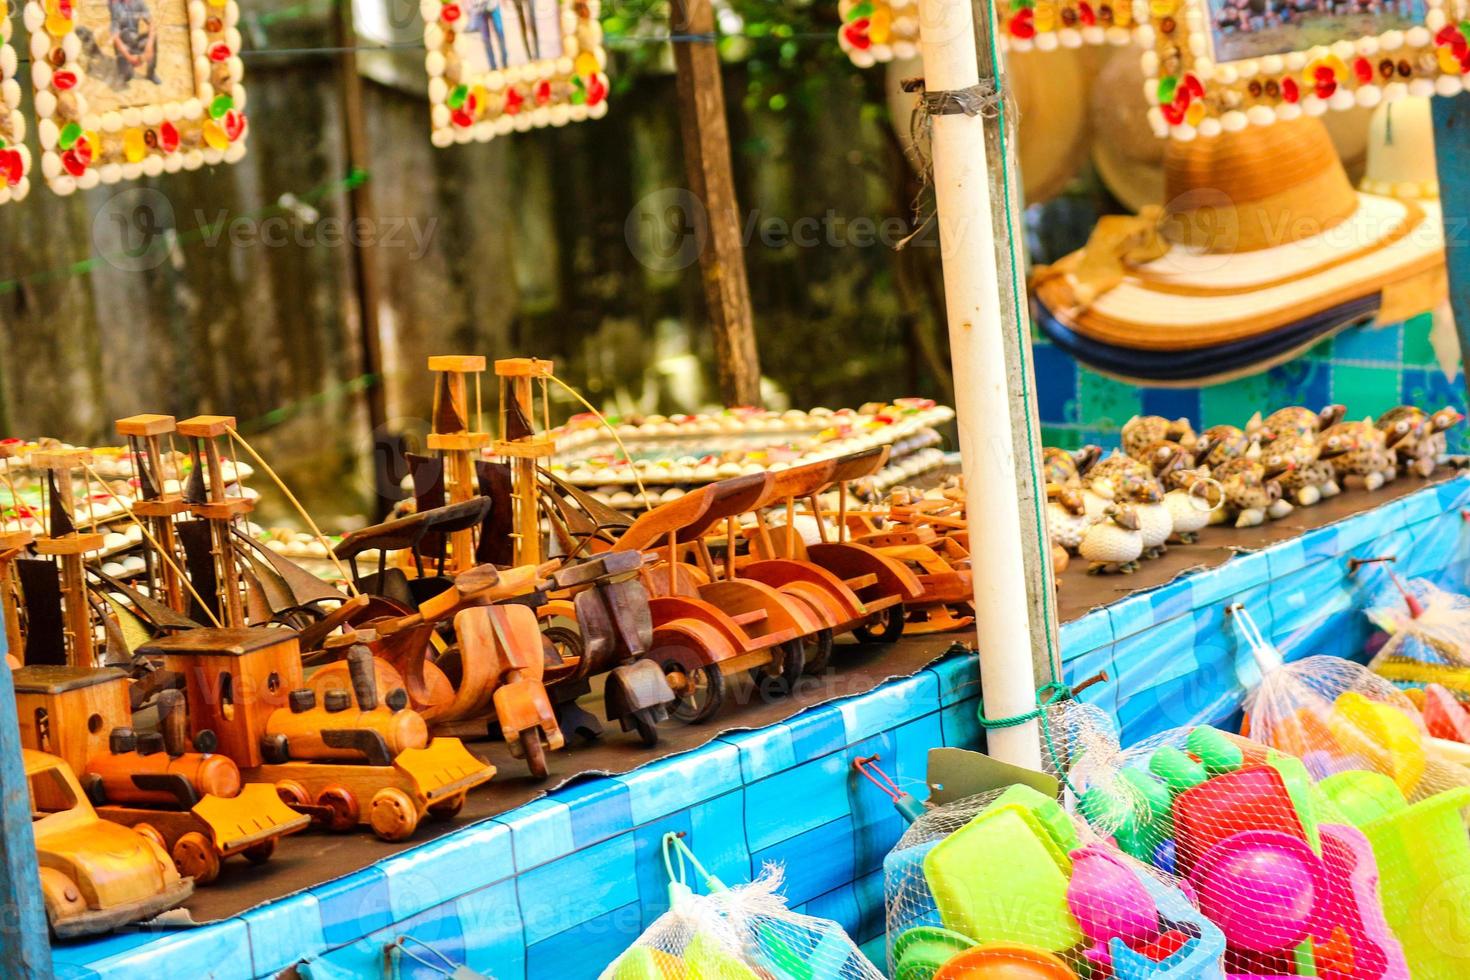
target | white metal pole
[{"x": 973, "y": 302}]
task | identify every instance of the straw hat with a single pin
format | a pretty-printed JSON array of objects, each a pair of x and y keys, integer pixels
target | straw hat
[
  {"x": 1129, "y": 158},
  {"x": 1262, "y": 235},
  {"x": 1401, "y": 151},
  {"x": 1049, "y": 88}
]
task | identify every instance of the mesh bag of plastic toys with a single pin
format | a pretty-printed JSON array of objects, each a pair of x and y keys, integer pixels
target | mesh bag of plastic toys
[
  {"x": 1427, "y": 637},
  {"x": 1340, "y": 877},
  {"x": 744, "y": 932},
  {"x": 1338, "y": 716},
  {"x": 1008, "y": 884}
]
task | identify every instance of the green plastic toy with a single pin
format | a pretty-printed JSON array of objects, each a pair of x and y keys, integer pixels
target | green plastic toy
[
  {"x": 1298, "y": 782},
  {"x": 1178, "y": 771},
  {"x": 922, "y": 950},
  {"x": 1215, "y": 751},
  {"x": 1362, "y": 797},
  {"x": 1047, "y": 811},
  {"x": 1002, "y": 878}
]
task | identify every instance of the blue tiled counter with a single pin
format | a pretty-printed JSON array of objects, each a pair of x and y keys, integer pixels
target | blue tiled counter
[{"x": 557, "y": 887}]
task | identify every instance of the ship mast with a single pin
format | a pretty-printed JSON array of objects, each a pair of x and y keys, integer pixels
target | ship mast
[
  {"x": 520, "y": 442},
  {"x": 218, "y": 508},
  {"x": 64, "y": 542},
  {"x": 456, "y": 443},
  {"x": 156, "y": 506},
  {"x": 13, "y": 542}
]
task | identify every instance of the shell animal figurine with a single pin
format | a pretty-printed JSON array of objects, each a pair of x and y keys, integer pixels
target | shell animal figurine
[
  {"x": 1294, "y": 420},
  {"x": 1293, "y": 462},
  {"x": 1192, "y": 506},
  {"x": 1121, "y": 479},
  {"x": 1067, "y": 514},
  {"x": 1249, "y": 496},
  {"x": 1114, "y": 543},
  {"x": 1221, "y": 443},
  {"x": 1416, "y": 437},
  {"x": 1170, "y": 462},
  {"x": 1359, "y": 449},
  {"x": 1142, "y": 431}
]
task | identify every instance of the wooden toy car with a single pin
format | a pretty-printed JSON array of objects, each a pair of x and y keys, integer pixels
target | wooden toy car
[
  {"x": 192, "y": 803},
  {"x": 96, "y": 875},
  {"x": 346, "y": 759}
]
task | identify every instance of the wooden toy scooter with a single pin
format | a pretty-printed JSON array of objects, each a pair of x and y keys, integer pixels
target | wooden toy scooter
[
  {"x": 348, "y": 758},
  {"x": 187, "y": 799},
  {"x": 704, "y": 629},
  {"x": 941, "y": 561}
]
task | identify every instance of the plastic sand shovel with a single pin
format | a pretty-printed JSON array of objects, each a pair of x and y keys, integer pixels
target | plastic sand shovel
[
  {"x": 920, "y": 952},
  {"x": 1002, "y": 878},
  {"x": 1355, "y": 913},
  {"x": 1005, "y": 961},
  {"x": 1362, "y": 797},
  {"x": 1423, "y": 857}
]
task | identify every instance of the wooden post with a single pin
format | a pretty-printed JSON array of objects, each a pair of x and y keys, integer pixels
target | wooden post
[
  {"x": 23, "y": 930},
  {"x": 361, "y": 212},
  {"x": 156, "y": 506},
  {"x": 1010, "y": 248},
  {"x": 456, "y": 441},
  {"x": 70, "y": 549},
  {"x": 1451, "y": 144},
  {"x": 706, "y": 138},
  {"x": 220, "y": 509}
]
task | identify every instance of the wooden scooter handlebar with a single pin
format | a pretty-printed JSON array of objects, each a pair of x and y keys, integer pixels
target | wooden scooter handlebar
[{"x": 482, "y": 585}]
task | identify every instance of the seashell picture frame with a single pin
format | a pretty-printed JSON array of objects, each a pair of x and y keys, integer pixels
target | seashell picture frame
[
  {"x": 503, "y": 66},
  {"x": 15, "y": 156},
  {"x": 133, "y": 88},
  {"x": 1198, "y": 83}
]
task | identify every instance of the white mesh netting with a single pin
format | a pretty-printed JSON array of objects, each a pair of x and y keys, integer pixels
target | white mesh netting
[
  {"x": 1428, "y": 638},
  {"x": 1009, "y": 885},
  {"x": 745, "y": 932}
]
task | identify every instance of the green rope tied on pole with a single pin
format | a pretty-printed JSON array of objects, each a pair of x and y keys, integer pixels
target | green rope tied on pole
[{"x": 1047, "y": 695}]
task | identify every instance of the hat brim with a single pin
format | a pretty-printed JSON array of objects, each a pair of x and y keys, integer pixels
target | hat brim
[
  {"x": 1190, "y": 300},
  {"x": 1205, "y": 365}
]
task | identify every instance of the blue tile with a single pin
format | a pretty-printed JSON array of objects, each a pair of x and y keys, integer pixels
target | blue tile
[
  {"x": 582, "y": 951},
  {"x": 490, "y": 922},
  {"x": 592, "y": 882},
  {"x": 771, "y": 813},
  {"x": 220, "y": 951},
  {"x": 960, "y": 725},
  {"x": 958, "y": 674},
  {"x": 763, "y": 751},
  {"x": 1172, "y": 403},
  {"x": 540, "y": 832},
  {"x": 672, "y": 784},
  {"x": 840, "y": 906},
  {"x": 284, "y": 932},
  {"x": 600, "y": 808},
  {"x": 434, "y": 937},
  {"x": 447, "y": 867},
  {"x": 814, "y": 862},
  {"x": 869, "y": 891},
  {"x": 817, "y": 731},
  {"x": 1089, "y": 632},
  {"x": 81, "y": 954},
  {"x": 890, "y": 705},
  {"x": 1367, "y": 343},
  {"x": 354, "y": 905},
  {"x": 1056, "y": 384}
]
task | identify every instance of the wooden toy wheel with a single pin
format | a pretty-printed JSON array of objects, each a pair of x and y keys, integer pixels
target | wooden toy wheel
[
  {"x": 445, "y": 809},
  {"x": 887, "y": 627},
  {"x": 341, "y": 806},
  {"x": 644, "y": 726},
  {"x": 701, "y": 691},
  {"x": 260, "y": 853},
  {"x": 293, "y": 794},
  {"x": 196, "y": 857},
  {"x": 151, "y": 832},
  {"x": 533, "y": 749},
  {"x": 393, "y": 814},
  {"x": 819, "y": 655},
  {"x": 791, "y": 660}
]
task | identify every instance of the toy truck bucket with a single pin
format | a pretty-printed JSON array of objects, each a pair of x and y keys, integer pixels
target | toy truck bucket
[
  {"x": 442, "y": 768},
  {"x": 256, "y": 814}
]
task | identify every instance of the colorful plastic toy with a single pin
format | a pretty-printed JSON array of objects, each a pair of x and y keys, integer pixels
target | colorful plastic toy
[
  {"x": 1262, "y": 888},
  {"x": 1005, "y": 961}
]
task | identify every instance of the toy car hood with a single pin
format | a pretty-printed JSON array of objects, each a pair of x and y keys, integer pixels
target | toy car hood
[{"x": 105, "y": 860}]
